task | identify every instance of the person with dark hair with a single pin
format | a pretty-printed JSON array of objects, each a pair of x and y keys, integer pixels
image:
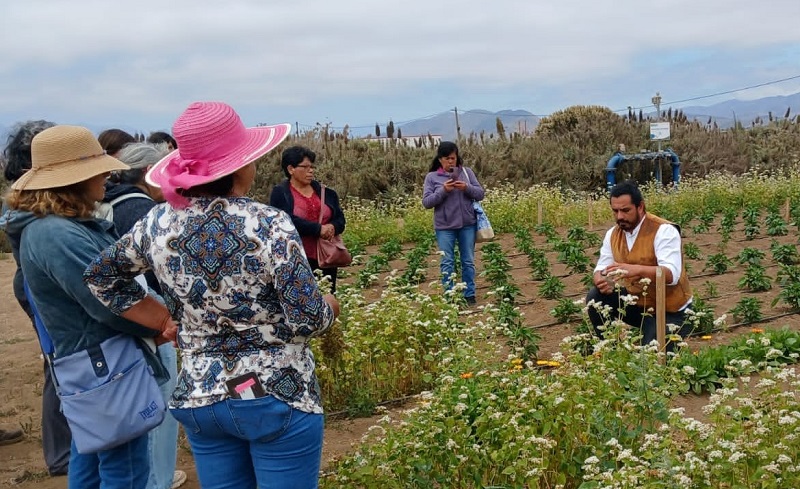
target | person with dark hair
[
  {"x": 631, "y": 251},
  {"x": 126, "y": 202},
  {"x": 450, "y": 189},
  {"x": 56, "y": 437},
  {"x": 112, "y": 140},
  {"x": 300, "y": 197},
  {"x": 161, "y": 137},
  {"x": 52, "y": 209},
  {"x": 234, "y": 276}
]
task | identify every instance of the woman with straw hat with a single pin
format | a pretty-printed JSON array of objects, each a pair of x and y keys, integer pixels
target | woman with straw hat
[
  {"x": 234, "y": 275},
  {"x": 51, "y": 215}
]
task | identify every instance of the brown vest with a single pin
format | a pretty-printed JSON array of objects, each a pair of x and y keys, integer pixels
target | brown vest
[{"x": 644, "y": 253}]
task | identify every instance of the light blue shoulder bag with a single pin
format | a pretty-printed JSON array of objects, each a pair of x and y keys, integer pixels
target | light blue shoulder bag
[{"x": 485, "y": 231}]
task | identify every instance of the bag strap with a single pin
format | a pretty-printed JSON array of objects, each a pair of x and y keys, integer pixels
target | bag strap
[
  {"x": 322, "y": 202},
  {"x": 133, "y": 195}
]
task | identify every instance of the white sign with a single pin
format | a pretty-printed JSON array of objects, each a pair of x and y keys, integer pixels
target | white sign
[{"x": 659, "y": 131}]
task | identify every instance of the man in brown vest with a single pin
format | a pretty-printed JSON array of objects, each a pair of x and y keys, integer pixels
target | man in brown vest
[{"x": 631, "y": 251}]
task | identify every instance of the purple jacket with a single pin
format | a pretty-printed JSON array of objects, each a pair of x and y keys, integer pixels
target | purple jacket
[{"x": 451, "y": 210}]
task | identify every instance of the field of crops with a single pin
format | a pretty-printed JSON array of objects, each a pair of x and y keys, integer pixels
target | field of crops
[{"x": 514, "y": 393}]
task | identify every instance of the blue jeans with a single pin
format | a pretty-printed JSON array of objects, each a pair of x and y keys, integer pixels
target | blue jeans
[
  {"x": 122, "y": 467},
  {"x": 162, "y": 446},
  {"x": 446, "y": 240},
  {"x": 244, "y": 444}
]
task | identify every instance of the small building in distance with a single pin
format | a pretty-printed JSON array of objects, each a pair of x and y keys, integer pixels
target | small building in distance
[{"x": 424, "y": 141}]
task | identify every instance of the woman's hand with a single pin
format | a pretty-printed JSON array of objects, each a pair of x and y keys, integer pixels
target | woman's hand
[
  {"x": 459, "y": 185},
  {"x": 333, "y": 302},
  {"x": 327, "y": 231},
  {"x": 449, "y": 185},
  {"x": 168, "y": 334}
]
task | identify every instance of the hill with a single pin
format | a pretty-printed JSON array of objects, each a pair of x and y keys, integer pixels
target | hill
[
  {"x": 475, "y": 121},
  {"x": 745, "y": 111}
]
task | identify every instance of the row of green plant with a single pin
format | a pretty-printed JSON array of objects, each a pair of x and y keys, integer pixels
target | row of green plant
[
  {"x": 521, "y": 339},
  {"x": 602, "y": 419},
  {"x": 704, "y": 370}
]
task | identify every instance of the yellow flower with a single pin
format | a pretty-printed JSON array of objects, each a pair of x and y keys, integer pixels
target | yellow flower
[
  {"x": 706, "y": 337},
  {"x": 547, "y": 363}
]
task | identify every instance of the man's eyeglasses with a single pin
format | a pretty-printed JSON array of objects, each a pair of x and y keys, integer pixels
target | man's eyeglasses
[{"x": 305, "y": 167}]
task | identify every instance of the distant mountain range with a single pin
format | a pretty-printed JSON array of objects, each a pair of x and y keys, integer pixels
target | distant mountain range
[
  {"x": 476, "y": 121},
  {"x": 746, "y": 111},
  {"x": 724, "y": 113}
]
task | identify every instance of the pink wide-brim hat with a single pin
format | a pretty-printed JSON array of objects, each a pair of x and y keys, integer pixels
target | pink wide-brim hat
[{"x": 212, "y": 143}]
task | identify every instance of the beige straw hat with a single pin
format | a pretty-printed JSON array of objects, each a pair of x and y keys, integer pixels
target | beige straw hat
[{"x": 63, "y": 155}]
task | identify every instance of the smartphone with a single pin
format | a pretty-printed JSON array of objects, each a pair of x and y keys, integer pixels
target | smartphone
[{"x": 246, "y": 386}]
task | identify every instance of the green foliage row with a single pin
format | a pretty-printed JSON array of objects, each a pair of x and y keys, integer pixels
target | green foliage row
[{"x": 598, "y": 420}]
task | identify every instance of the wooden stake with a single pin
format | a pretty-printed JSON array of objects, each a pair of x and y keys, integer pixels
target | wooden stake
[
  {"x": 591, "y": 218},
  {"x": 539, "y": 214},
  {"x": 661, "y": 312},
  {"x": 788, "y": 212}
]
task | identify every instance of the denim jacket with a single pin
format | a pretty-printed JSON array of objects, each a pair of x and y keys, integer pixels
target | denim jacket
[{"x": 53, "y": 253}]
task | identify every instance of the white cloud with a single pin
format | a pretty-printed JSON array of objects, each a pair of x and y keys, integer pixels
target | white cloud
[{"x": 96, "y": 57}]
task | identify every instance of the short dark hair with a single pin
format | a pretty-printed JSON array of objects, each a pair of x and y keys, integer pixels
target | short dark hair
[
  {"x": 628, "y": 187},
  {"x": 112, "y": 140},
  {"x": 295, "y": 155},
  {"x": 446, "y": 148},
  {"x": 17, "y": 153},
  {"x": 162, "y": 137}
]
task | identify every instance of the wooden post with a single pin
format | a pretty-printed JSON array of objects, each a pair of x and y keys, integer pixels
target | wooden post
[
  {"x": 787, "y": 214},
  {"x": 539, "y": 214},
  {"x": 661, "y": 312},
  {"x": 591, "y": 218}
]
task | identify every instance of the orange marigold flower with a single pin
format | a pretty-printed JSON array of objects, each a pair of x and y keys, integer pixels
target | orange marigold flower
[
  {"x": 466, "y": 375},
  {"x": 757, "y": 330}
]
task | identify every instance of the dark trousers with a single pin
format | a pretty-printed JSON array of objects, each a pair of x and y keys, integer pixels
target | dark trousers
[
  {"x": 56, "y": 437},
  {"x": 634, "y": 316},
  {"x": 327, "y": 272}
]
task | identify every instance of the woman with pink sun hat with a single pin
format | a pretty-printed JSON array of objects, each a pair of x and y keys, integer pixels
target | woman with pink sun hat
[{"x": 237, "y": 282}]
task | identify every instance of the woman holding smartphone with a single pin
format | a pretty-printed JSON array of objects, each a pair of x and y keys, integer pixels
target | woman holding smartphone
[{"x": 450, "y": 188}]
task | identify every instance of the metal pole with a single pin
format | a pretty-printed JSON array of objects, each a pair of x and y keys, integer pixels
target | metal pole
[{"x": 657, "y": 102}]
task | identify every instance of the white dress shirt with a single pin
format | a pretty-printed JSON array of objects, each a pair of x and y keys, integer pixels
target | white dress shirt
[{"x": 667, "y": 244}]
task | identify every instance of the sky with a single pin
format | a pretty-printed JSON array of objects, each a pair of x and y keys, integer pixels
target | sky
[{"x": 99, "y": 64}]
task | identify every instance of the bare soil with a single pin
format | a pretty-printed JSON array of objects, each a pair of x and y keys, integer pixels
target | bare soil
[{"x": 21, "y": 464}]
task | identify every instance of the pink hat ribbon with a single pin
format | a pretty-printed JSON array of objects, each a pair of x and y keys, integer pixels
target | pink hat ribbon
[{"x": 185, "y": 174}]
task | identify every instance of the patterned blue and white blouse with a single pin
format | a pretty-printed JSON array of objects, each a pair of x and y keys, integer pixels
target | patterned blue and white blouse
[{"x": 236, "y": 280}]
